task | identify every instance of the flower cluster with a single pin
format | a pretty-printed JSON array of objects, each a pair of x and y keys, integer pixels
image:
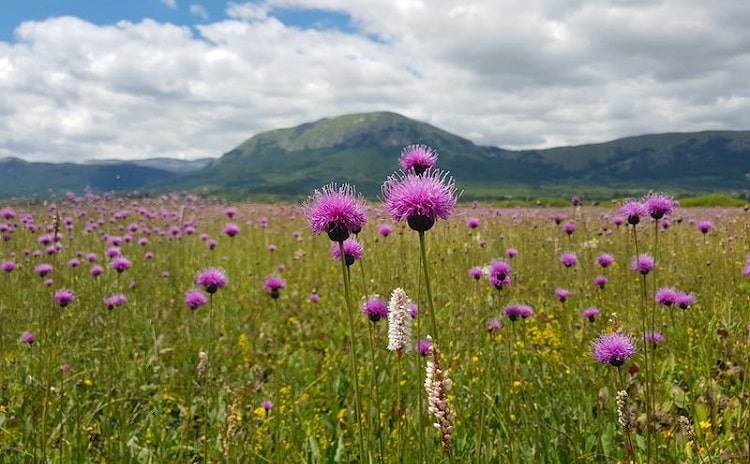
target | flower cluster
[
  {"x": 437, "y": 384},
  {"x": 399, "y": 322}
]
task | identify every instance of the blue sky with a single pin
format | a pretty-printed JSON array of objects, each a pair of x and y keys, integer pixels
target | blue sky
[
  {"x": 192, "y": 13},
  {"x": 117, "y": 79}
]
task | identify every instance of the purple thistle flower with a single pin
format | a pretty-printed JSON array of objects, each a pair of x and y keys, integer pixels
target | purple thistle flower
[
  {"x": 562, "y": 294},
  {"x": 424, "y": 346},
  {"x": 375, "y": 308},
  {"x": 313, "y": 297},
  {"x": 64, "y": 297},
  {"x": 418, "y": 158},
  {"x": 558, "y": 218},
  {"x": 569, "y": 228},
  {"x": 514, "y": 311},
  {"x": 120, "y": 264},
  {"x": 605, "y": 260},
  {"x": 273, "y": 284},
  {"x": 28, "y": 338},
  {"x": 575, "y": 200},
  {"x": 230, "y": 212},
  {"x": 499, "y": 274},
  {"x": 231, "y": 230},
  {"x": 475, "y": 272},
  {"x": 568, "y": 259},
  {"x": 493, "y": 325},
  {"x": 684, "y": 300},
  {"x": 267, "y": 405},
  {"x": 43, "y": 270},
  {"x": 600, "y": 281},
  {"x": 8, "y": 266},
  {"x": 659, "y": 205},
  {"x": 511, "y": 252},
  {"x": 385, "y": 230},
  {"x": 194, "y": 299},
  {"x": 590, "y": 313},
  {"x": 96, "y": 270},
  {"x": 746, "y": 270},
  {"x": 73, "y": 262},
  {"x": 705, "y": 226},
  {"x": 413, "y": 309},
  {"x": 335, "y": 210},
  {"x": 633, "y": 210},
  {"x": 654, "y": 338},
  {"x": 91, "y": 257},
  {"x": 212, "y": 279},
  {"x": 617, "y": 221},
  {"x": 118, "y": 299},
  {"x": 112, "y": 252},
  {"x": 421, "y": 200},
  {"x": 643, "y": 264},
  {"x": 666, "y": 296},
  {"x": 613, "y": 349},
  {"x": 352, "y": 251},
  {"x": 472, "y": 223}
]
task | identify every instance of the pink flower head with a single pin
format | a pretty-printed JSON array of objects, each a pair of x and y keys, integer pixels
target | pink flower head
[
  {"x": 231, "y": 230},
  {"x": 421, "y": 200},
  {"x": 493, "y": 325},
  {"x": 666, "y": 296},
  {"x": 424, "y": 346},
  {"x": 42, "y": 270},
  {"x": 472, "y": 223},
  {"x": 352, "y": 251},
  {"x": 613, "y": 349},
  {"x": 569, "y": 228},
  {"x": 590, "y": 313},
  {"x": 643, "y": 264},
  {"x": 335, "y": 210},
  {"x": 604, "y": 260},
  {"x": 385, "y": 230},
  {"x": 475, "y": 272},
  {"x": 96, "y": 270},
  {"x": 418, "y": 158},
  {"x": 601, "y": 281},
  {"x": 705, "y": 226},
  {"x": 64, "y": 297},
  {"x": 562, "y": 294},
  {"x": 499, "y": 274},
  {"x": 511, "y": 252},
  {"x": 230, "y": 212},
  {"x": 659, "y": 205},
  {"x": 568, "y": 259},
  {"x": 28, "y": 338},
  {"x": 514, "y": 311},
  {"x": 118, "y": 299},
  {"x": 8, "y": 266},
  {"x": 684, "y": 300},
  {"x": 633, "y": 210},
  {"x": 194, "y": 299},
  {"x": 211, "y": 279},
  {"x": 120, "y": 264},
  {"x": 273, "y": 284},
  {"x": 375, "y": 308}
]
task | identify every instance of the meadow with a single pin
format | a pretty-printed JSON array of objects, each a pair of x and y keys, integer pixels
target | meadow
[{"x": 129, "y": 366}]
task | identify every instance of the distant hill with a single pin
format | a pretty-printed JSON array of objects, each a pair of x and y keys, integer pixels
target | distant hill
[{"x": 363, "y": 149}]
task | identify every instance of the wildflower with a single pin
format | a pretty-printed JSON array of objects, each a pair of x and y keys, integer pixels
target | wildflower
[
  {"x": 195, "y": 299},
  {"x": 600, "y": 281},
  {"x": 42, "y": 270},
  {"x": 118, "y": 299},
  {"x": 64, "y": 297},
  {"x": 424, "y": 346},
  {"x": 493, "y": 325},
  {"x": 617, "y": 221},
  {"x": 575, "y": 200},
  {"x": 590, "y": 313},
  {"x": 230, "y": 212},
  {"x": 231, "y": 230},
  {"x": 212, "y": 279},
  {"x": 684, "y": 300},
  {"x": 120, "y": 264},
  {"x": 514, "y": 311},
  {"x": 385, "y": 230},
  {"x": 511, "y": 253},
  {"x": 418, "y": 158},
  {"x": 421, "y": 200},
  {"x": 604, "y": 260},
  {"x": 336, "y": 211},
  {"x": 659, "y": 205},
  {"x": 654, "y": 338},
  {"x": 202, "y": 364},
  {"x": 399, "y": 322},
  {"x": 568, "y": 259},
  {"x": 352, "y": 251},
  {"x": 666, "y": 296},
  {"x": 472, "y": 223},
  {"x": 96, "y": 270},
  {"x": 267, "y": 405},
  {"x": 273, "y": 284},
  {"x": 271, "y": 247},
  {"x": 558, "y": 218},
  {"x": 643, "y": 264},
  {"x": 499, "y": 274},
  {"x": 705, "y": 227},
  {"x": 313, "y": 297},
  {"x": 614, "y": 349},
  {"x": 569, "y": 228},
  {"x": 375, "y": 308},
  {"x": 73, "y": 262},
  {"x": 624, "y": 415},
  {"x": 437, "y": 384},
  {"x": 746, "y": 270},
  {"x": 28, "y": 338},
  {"x": 66, "y": 368},
  {"x": 562, "y": 294},
  {"x": 413, "y": 309},
  {"x": 8, "y": 266},
  {"x": 633, "y": 210},
  {"x": 475, "y": 272}
]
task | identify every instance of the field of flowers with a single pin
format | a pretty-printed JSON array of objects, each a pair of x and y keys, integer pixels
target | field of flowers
[{"x": 177, "y": 329}]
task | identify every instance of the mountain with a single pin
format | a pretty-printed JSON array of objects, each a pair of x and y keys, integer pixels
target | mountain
[
  {"x": 363, "y": 149},
  {"x": 20, "y": 178}
]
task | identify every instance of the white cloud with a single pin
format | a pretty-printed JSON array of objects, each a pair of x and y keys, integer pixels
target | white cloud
[
  {"x": 170, "y": 3},
  {"x": 199, "y": 11},
  {"x": 518, "y": 73}
]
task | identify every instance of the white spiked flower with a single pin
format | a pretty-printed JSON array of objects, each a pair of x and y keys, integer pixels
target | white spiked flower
[{"x": 399, "y": 322}]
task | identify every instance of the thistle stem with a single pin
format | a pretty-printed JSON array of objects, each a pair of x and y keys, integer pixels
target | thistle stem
[{"x": 428, "y": 287}]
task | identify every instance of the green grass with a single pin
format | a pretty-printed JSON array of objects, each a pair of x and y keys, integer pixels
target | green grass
[{"x": 528, "y": 393}]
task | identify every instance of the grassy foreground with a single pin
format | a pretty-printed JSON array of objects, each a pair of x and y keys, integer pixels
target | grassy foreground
[{"x": 89, "y": 383}]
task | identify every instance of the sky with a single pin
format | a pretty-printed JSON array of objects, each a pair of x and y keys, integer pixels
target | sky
[{"x": 127, "y": 79}]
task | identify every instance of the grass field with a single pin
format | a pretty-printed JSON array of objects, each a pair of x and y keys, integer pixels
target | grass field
[{"x": 283, "y": 379}]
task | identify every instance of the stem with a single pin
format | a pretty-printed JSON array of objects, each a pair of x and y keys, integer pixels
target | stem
[
  {"x": 353, "y": 354},
  {"x": 428, "y": 287}
]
